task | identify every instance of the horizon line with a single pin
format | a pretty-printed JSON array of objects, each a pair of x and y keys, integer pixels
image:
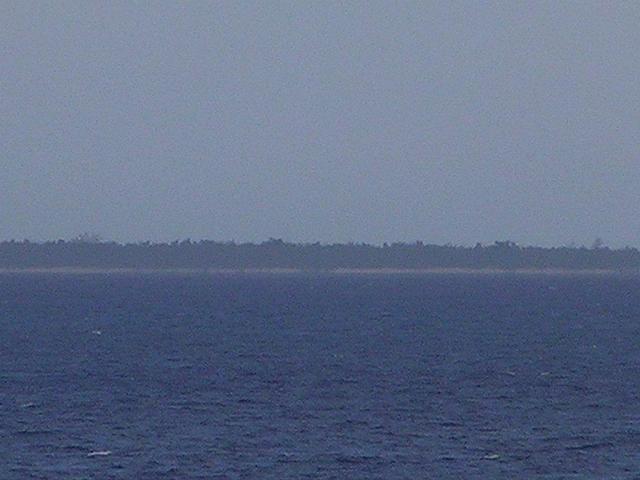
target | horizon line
[{"x": 88, "y": 239}]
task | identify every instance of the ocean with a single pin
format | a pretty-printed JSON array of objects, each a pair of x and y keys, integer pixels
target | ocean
[{"x": 294, "y": 376}]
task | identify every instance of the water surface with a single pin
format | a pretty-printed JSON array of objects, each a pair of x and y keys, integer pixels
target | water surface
[{"x": 319, "y": 377}]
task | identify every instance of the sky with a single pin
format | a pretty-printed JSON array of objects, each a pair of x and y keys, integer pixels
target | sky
[{"x": 442, "y": 121}]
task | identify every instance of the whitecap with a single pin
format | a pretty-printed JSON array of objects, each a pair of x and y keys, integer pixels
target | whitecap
[
  {"x": 99, "y": 453},
  {"x": 491, "y": 456}
]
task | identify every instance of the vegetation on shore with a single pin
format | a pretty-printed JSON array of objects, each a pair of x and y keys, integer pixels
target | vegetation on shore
[{"x": 87, "y": 252}]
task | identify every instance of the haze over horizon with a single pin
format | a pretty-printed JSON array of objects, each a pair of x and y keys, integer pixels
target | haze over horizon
[{"x": 446, "y": 122}]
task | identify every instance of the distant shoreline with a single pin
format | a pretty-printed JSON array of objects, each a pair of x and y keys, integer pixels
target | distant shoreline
[
  {"x": 296, "y": 271},
  {"x": 278, "y": 257}
]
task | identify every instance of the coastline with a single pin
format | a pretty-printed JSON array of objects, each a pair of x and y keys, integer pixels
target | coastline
[{"x": 299, "y": 271}]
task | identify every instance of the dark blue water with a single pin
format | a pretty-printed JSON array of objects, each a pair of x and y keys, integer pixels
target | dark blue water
[{"x": 319, "y": 377}]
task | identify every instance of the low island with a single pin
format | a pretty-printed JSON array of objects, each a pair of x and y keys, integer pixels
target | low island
[{"x": 88, "y": 254}]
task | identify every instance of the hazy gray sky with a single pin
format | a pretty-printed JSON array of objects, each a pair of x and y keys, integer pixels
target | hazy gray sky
[{"x": 367, "y": 121}]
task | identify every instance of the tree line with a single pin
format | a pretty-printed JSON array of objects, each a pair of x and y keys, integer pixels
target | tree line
[{"x": 276, "y": 253}]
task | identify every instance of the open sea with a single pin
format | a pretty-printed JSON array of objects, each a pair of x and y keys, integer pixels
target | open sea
[{"x": 294, "y": 376}]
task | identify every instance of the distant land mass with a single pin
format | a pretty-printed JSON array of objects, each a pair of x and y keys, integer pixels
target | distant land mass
[{"x": 91, "y": 254}]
